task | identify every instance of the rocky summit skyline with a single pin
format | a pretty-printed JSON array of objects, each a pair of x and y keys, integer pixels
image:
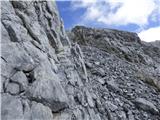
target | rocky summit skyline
[
  {"x": 86, "y": 73},
  {"x": 140, "y": 16}
]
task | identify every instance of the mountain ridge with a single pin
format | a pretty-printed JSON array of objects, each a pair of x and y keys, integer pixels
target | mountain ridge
[{"x": 82, "y": 74}]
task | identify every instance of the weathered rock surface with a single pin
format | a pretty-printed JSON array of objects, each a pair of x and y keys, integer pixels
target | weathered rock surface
[
  {"x": 123, "y": 73},
  {"x": 146, "y": 105},
  {"x": 89, "y": 74}
]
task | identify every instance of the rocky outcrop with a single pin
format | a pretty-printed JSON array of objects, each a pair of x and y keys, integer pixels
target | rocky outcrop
[
  {"x": 123, "y": 72},
  {"x": 31, "y": 41},
  {"x": 95, "y": 74}
]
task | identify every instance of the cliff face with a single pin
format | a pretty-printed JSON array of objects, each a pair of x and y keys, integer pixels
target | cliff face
[
  {"x": 95, "y": 74},
  {"x": 33, "y": 51}
]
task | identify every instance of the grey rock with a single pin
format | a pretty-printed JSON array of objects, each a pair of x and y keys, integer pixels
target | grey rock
[
  {"x": 21, "y": 79},
  {"x": 101, "y": 80},
  {"x": 40, "y": 112},
  {"x": 63, "y": 116},
  {"x": 88, "y": 64},
  {"x": 21, "y": 60},
  {"x": 130, "y": 116},
  {"x": 111, "y": 106},
  {"x": 113, "y": 85},
  {"x": 93, "y": 115},
  {"x": 13, "y": 88},
  {"x": 146, "y": 105},
  {"x": 5, "y": 37},
  {"x": 99, "y": 72},
  {"x": 50, "y": 92},
  {"x": 11, "y": 107},
  {"x": 78, "y": 114},
  {"x": 89, "y": 74},
  {"x": 89, "y": 99}
]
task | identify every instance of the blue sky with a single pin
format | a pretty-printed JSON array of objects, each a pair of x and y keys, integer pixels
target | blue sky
[{"x": 141, "y": 16}]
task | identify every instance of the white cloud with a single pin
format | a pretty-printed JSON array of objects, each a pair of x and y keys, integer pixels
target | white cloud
[
  {"x": 150, "y": 34},
  {"x": 122, "y": 13},
  {"x": 82, "y": 3},
  {"x": 119, "y": 12}
]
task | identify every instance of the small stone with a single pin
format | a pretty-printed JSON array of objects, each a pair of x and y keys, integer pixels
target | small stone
[
  {"x": 113, "y": 85},
  {"x": 97, "y": 63},
  {"x": 89, "y": 99},
  {"x": 99, "y": 72},
  {"x": 21, "y": 79},
  {"x": 111, "y": 106},
  {"x": 122, "y": 115},
  {"x": 130, "y": 115},
  {"x": 13, "y": 88},
  {"x": 88, "y": 64},
  {"x": 101, "y": 81}
]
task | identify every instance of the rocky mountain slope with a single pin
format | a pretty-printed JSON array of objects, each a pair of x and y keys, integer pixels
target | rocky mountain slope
[{"x": 86, "y": 74}]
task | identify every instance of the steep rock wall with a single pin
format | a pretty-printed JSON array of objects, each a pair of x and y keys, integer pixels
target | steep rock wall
[{"x": 34, "y": 61}]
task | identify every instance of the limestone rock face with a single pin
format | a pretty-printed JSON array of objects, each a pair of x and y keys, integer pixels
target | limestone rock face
[
  {"x": 31, "y": 41},
  {"x": 89, "y": 74}
]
